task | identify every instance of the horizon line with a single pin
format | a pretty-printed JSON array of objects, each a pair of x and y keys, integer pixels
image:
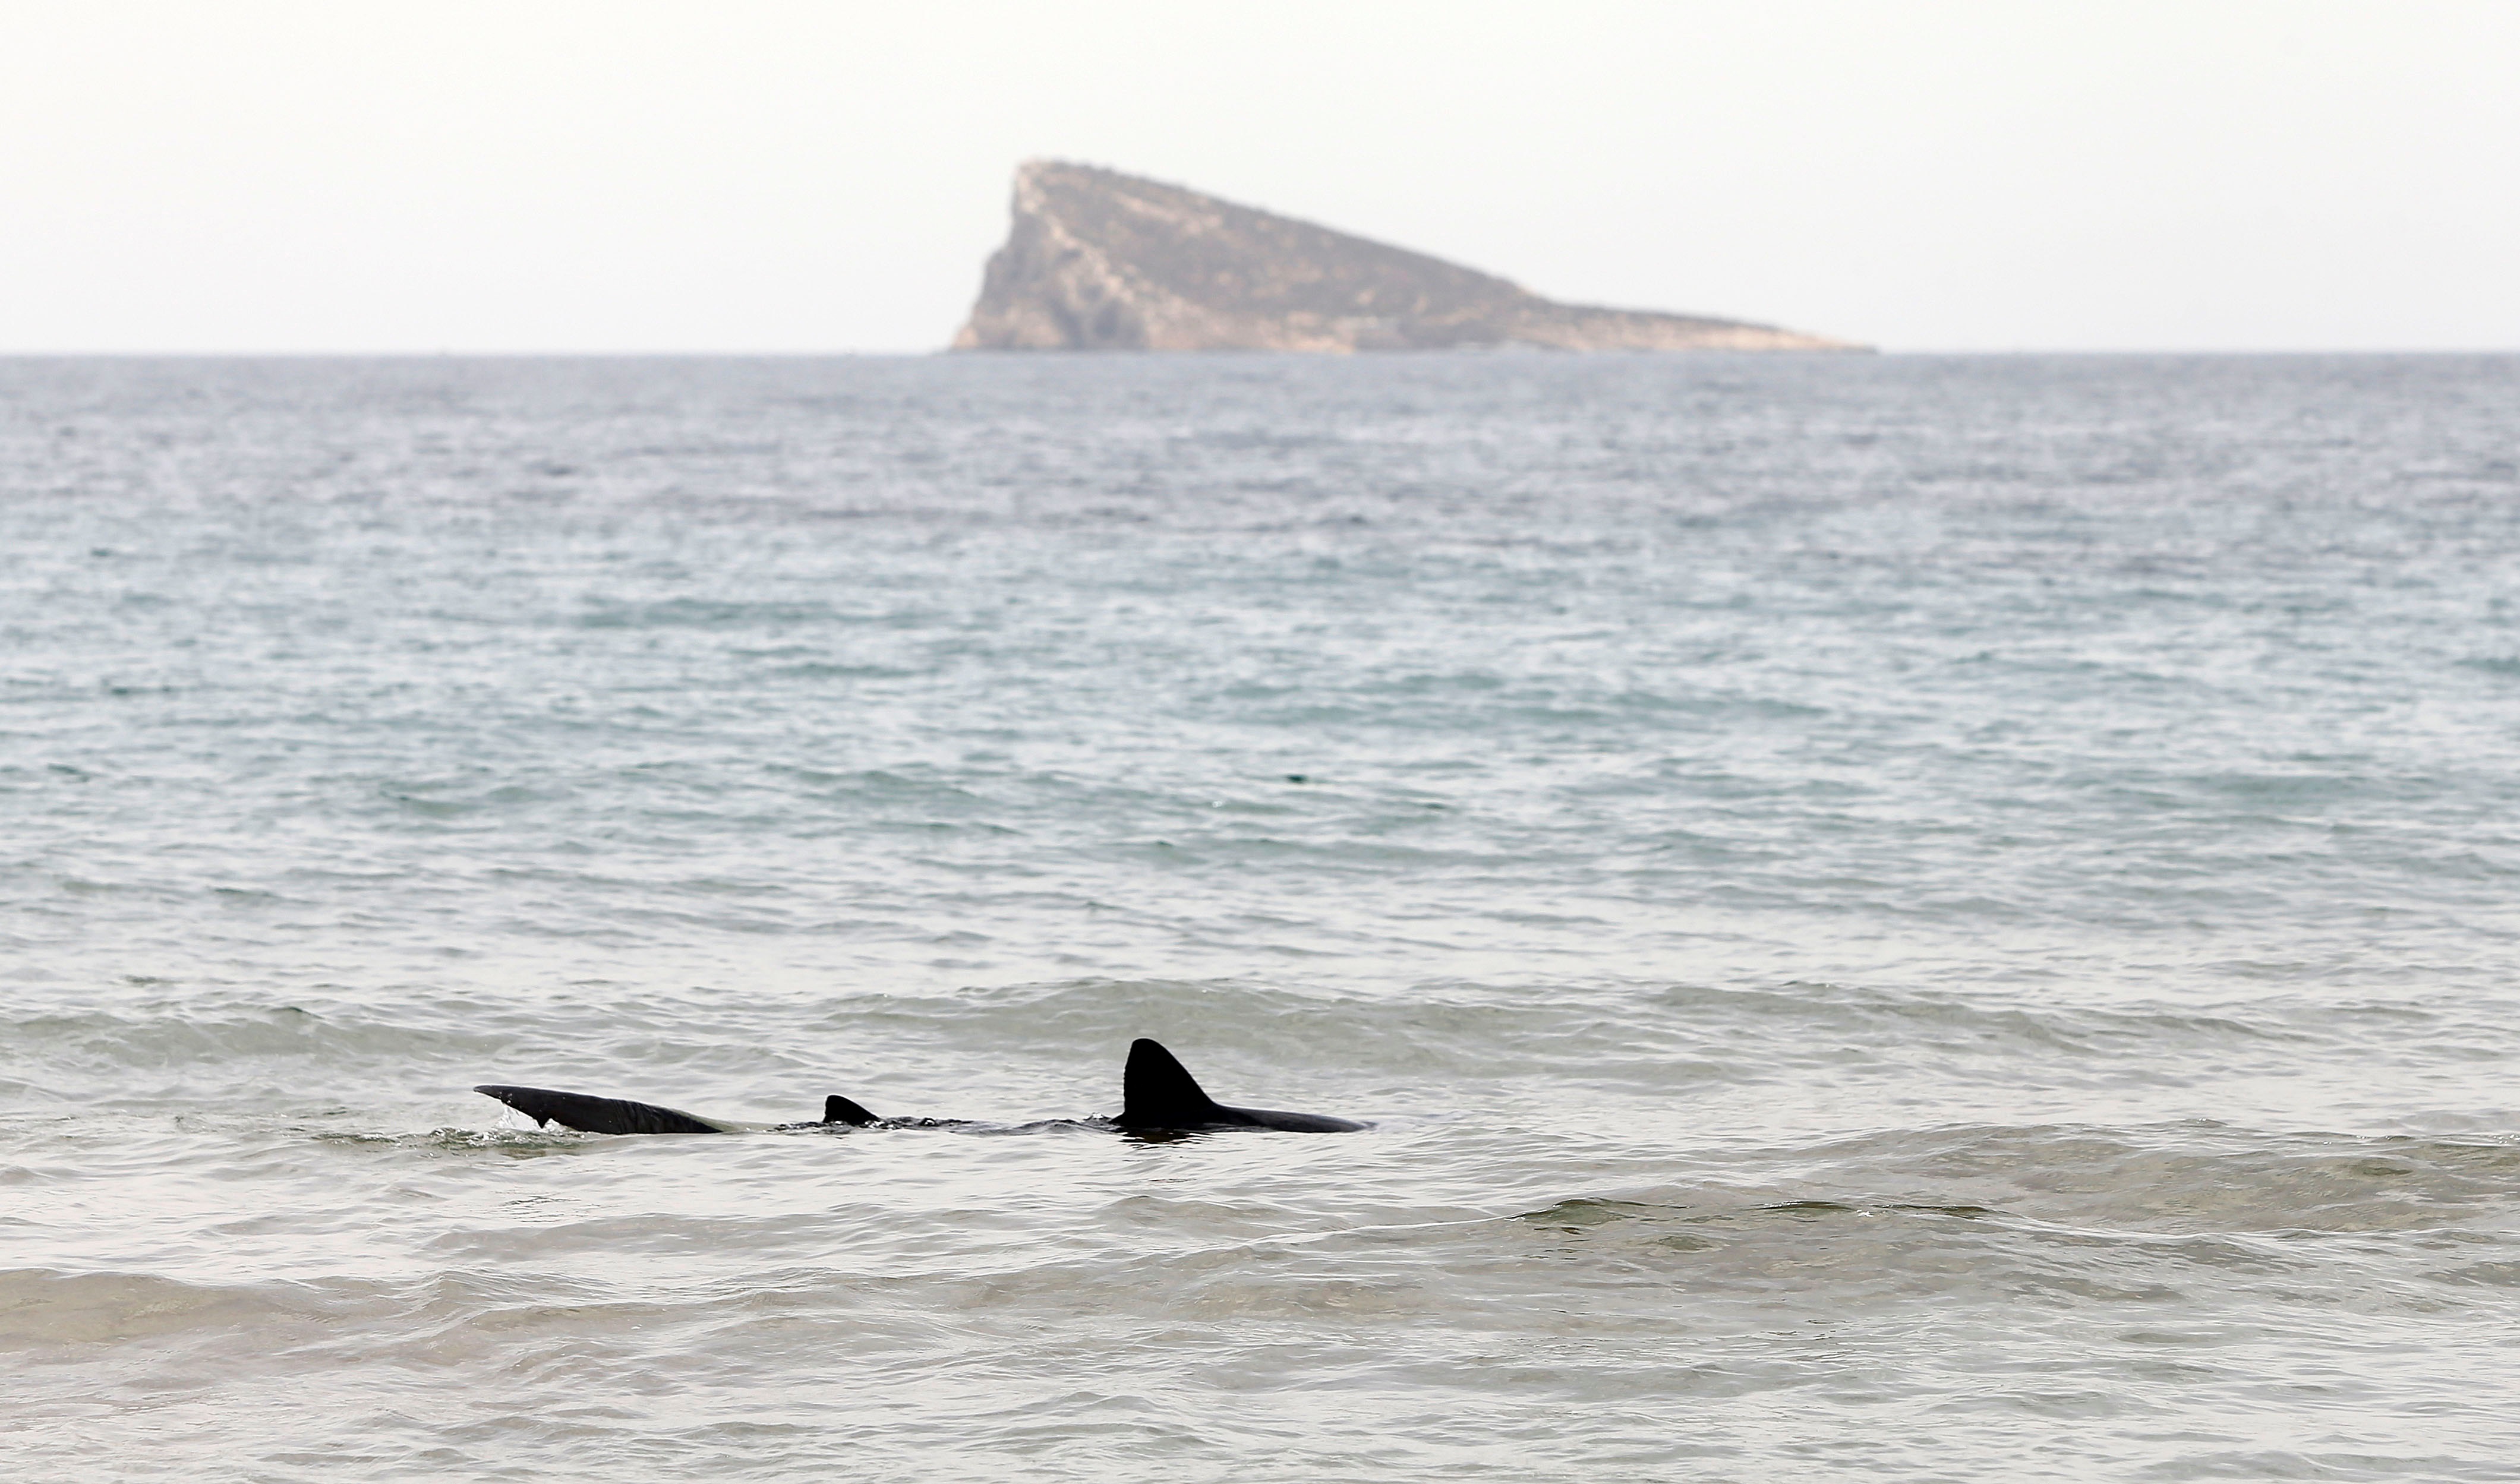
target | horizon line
[{"x": 942, "y": 352}]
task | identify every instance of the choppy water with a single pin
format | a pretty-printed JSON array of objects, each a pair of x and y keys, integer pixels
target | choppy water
[{"x": 1918, "y": 918}]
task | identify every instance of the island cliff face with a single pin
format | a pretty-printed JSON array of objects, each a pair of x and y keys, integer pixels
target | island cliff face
[{"x": 1099, "y": 261}]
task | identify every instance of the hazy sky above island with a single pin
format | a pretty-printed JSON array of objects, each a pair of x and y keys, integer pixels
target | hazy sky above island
[{"x": 559, "y": 175}]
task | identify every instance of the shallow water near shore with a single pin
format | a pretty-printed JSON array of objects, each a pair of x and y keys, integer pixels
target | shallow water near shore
[{"x": 1931, "y": 918}]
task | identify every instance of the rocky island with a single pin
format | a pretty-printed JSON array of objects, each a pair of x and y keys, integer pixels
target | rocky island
[{"x": 1097, "y": 261}]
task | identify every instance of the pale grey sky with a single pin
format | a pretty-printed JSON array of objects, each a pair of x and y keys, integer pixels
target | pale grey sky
[{"x": 249, "y": 175}]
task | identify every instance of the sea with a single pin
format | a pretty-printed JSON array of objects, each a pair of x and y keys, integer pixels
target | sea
[{"x": 1901, "y": 916}]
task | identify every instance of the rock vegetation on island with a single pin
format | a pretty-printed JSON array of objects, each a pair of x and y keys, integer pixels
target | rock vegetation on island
[{"x": 1097, "y": 261}]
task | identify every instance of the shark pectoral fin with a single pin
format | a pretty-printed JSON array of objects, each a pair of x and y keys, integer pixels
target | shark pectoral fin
[
  {"x": 840, "y": 1109},
  {"x": 598, "y": 1115}
]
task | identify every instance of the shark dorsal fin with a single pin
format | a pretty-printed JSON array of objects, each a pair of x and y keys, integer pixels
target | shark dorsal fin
[
  {"x": 1157, "y": 1092},
  {"x": 840, "y": 1109}
]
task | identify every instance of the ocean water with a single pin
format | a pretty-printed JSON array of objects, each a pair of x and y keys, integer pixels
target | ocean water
[{"x": 1897, "y": 917}]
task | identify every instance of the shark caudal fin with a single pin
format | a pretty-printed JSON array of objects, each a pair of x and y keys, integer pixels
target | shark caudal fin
[
  {"x": 598, "y": 1115},
  {"x": 1157, "y": 1092}
]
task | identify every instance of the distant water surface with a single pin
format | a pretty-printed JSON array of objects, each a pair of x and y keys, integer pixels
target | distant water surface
[{"x": 1917, "y": 918}]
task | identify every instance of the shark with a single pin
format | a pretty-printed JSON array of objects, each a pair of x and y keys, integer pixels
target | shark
[{"x": 1158, "y": 1097}]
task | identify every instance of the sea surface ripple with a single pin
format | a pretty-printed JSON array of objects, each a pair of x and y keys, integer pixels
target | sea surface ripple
[{"x": 1917, "y": 916}]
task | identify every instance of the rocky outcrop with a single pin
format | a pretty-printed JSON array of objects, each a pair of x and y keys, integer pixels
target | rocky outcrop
[{"x": 1097, "y": 261}]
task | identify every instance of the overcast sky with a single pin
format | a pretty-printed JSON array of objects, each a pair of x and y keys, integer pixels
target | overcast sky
[{"x": 522, "y": 176}]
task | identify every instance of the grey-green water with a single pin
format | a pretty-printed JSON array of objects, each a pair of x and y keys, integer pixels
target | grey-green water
[{"x": 1909, "y": 917}]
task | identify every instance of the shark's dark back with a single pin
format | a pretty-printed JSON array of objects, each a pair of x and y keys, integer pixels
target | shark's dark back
[{"x": 1158, "y": 1096}]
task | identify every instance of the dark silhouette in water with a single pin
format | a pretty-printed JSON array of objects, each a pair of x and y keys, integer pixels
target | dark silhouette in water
[
  {"x": 602, "y": 1116},
  {"x": 1158, "y": 1093},
  {"x": 1158, "y": 1096}
]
